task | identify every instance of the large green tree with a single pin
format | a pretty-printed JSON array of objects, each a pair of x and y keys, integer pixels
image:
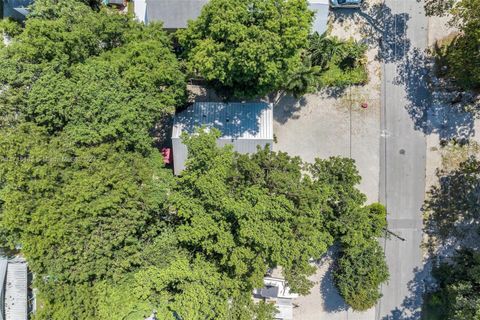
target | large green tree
[
  {"x": 247, "y": 48},
  {"x": 240, "y": 211},
  {"x": 80, "y": 214},
  {"x": 248, "y": 213},
  {"x": 56, "y": 48},
  {"x": 464, "y": 50},
  {"x": 81, "y": 189},
  {"x": 118, "y": 96}
]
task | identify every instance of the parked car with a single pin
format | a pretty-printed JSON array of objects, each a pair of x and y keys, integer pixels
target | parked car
[{"x": 345, "y": 3}]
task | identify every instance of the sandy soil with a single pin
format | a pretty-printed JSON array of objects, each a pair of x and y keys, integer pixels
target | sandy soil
[{"x": 452, "y": 123}]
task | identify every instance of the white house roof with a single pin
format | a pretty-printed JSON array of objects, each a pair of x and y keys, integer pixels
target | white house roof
[{"x": 234, "y": 120}]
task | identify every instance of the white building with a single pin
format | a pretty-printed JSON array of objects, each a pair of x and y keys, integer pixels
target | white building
[
  {"x": 243, "y": 125},
  {"x": 277, "y": 292}
]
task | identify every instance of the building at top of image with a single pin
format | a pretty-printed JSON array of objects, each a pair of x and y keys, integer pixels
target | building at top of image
[
  {"x": 243, "y": 125},
  {"x": 175, "y": 13}
]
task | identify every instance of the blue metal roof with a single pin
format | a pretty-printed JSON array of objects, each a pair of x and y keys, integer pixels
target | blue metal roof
[{"x": 235, "y": 120}]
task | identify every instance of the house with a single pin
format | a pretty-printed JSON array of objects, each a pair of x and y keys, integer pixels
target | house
[
  {"x": 277, "y": 292},
  {"x": 243, "y": 125},
  {"x": 14, "y": 304},
  {"x": 321, "y": 9},
  {"x": 173, "y": 13},
  {"x": 16, "y": 9}
]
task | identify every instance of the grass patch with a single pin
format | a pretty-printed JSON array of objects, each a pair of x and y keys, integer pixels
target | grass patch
[{"x": 454, "y": 154}]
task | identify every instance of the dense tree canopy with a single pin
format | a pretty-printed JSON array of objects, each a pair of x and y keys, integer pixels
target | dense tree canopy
[
  {"x": 110, "y": 200},
  {"x": 117, "y": 96},
  {"x": 108, "y": 231},
  {"x": 57, "y": 48},
  {"x": 241, "y": 212},
  {"x": 247, "y": 48},
  {"x": 81, "y": 189},
  {"x": 249, "y": 213}
]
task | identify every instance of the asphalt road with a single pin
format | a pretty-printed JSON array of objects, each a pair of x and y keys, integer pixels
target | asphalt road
[{"x": 403, "y": 151}]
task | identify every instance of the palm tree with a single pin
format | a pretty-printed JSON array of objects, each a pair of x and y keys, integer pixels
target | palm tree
[
  {"x": 304, "y": 80},
  {"x": 323, "y": 49}
]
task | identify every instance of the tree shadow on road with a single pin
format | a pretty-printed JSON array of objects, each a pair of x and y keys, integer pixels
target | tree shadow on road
[
  {"x": 388, "y": 30},
  {"x": 431, "y": 113},
  {"x": 412, "y": 304},
  {"x": 380, "y": 28}
]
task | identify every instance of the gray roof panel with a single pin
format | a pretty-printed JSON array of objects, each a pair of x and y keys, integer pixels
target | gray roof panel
[{"x": 173, "y": 13}]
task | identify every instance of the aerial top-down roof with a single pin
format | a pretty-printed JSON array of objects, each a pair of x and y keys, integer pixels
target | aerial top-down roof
[
  {"x": 235, "y": 120},
  {"x": 174, "y": 13}
]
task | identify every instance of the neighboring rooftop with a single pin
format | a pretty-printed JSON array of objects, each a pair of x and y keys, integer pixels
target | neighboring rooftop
[
  {"x": 173, "y": 13},
  {"x": 277, "y": 292}
]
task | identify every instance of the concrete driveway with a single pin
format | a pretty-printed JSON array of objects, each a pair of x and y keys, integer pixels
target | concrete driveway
[{"x": 324, "y": 125}]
